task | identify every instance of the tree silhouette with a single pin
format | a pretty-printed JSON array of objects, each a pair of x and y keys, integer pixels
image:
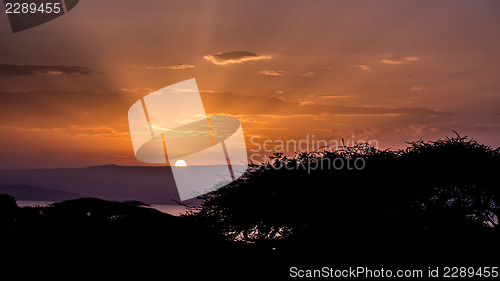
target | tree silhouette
[
  {"x": 444, "y": 188},
  {"x": 8, "y": 211}
]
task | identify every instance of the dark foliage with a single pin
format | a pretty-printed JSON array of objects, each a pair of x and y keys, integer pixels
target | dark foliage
[
  {"x": 433, "y": 201},
  {"x": 93, "y": 236}
]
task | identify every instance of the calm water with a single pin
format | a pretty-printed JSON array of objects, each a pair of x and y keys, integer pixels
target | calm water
[{"x": 175, "y": 210}]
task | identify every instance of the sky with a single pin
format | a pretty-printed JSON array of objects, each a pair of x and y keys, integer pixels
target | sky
[{"x": 390, "y": 71}]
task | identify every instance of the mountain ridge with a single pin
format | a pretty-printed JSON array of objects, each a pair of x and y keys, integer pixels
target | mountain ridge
[
  {"x": 33, "y": 193},
  {"x": 149, "y": 184}
]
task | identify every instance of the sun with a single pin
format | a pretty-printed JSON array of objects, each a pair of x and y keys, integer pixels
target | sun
[{"x": 180, "y": 163}]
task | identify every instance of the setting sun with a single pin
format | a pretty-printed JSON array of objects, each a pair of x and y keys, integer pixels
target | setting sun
[{"x": 180, "y": 163}]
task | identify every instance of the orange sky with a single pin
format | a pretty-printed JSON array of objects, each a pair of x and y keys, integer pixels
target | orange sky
[{"x": 391, "y": 71}]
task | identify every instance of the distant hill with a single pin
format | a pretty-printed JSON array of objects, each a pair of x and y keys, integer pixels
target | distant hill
[
  {"x": 153, "y": 185},
  {"x": 32, "y": 193}
]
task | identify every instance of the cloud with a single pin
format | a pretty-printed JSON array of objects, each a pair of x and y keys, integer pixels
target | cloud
[
  {"x": 283, "y": 72},
  {"x": 307, "y": 74},
  {"x": 271, "y": 72},
  {"x": 492, "y": 94},
  {"x": 173, "y": 66},
  {"x": 363, "y": 67},
  {"x": 58, "y": 109},
  {"x": 395, "y": 60},
  {"x": 9, "y": 70},
  {"x": 234, "y": 57},
  {"x": 228, "y": 103},
  {"x": 138, "y": 91},
  {"x": 417, "y": 88},
  {"x": 29, "y": 129},
  {"x": 99, "y": 130},
  {"x": 73, "y": 130},
  {"x": 335, "y": 96}
]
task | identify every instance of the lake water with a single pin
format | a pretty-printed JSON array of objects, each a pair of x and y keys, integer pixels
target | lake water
[{"x": 175, "y": 210}]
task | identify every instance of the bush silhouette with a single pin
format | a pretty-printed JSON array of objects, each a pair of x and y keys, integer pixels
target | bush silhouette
[
  {"x": 8, "y": 211},
  {"x": 433, "y": 202},
  {"x": 79, "y": 235},
  {"x": 445, "y": 190}
]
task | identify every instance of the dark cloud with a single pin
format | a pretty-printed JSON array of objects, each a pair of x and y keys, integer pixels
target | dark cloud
[
  {"x": 80, "y": 109},
  {"x": 9, "y": 70},
  {"x": 237, "y": 104},
  {"x": 56, "y": 109},
  {"x": 234, "y": 57}
]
